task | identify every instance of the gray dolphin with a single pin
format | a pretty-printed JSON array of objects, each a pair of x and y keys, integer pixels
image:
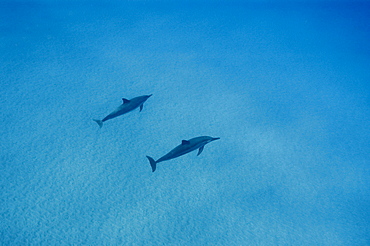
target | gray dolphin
[
  {"x": 185, "y": 147},
  {"x": 127, "y": 106}
]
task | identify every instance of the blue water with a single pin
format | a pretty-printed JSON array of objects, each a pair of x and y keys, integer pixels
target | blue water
[{"x": 285, "y": 86}]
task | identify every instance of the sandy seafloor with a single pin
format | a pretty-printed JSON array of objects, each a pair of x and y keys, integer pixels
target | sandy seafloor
[{"x": 284, "y": 85}]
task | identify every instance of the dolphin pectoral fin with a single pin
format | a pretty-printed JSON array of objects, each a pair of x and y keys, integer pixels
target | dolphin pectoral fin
[
  {"x": 125, "y": 100},
  {"x": 100, "y": 123},
  {"x": 141, "y": 107},
  {"x": 200, "y": 150},
  {"x": 153, "y": 163},
  {"x": 185, "y": 142}
]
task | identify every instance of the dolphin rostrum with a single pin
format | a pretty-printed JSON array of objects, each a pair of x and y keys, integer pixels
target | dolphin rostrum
[
  {"x": 185, "y": 147},
  {"x": 127, "y": 106}
]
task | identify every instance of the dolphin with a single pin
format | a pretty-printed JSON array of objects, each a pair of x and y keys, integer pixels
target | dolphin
[
  {"x": 185, "y": 147},
  {"x": 127, "y": 106}
]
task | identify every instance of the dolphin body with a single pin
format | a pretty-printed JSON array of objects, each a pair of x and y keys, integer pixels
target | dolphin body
[
  {"x": 185, "y": 147},
  {"x": 127, "y": 106}
]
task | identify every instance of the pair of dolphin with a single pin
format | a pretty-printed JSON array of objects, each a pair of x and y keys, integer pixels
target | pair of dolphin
[{"x": 185, "y": 147}]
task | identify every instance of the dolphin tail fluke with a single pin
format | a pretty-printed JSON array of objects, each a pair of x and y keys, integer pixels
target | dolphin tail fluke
[
  {"x": 153, "y": 163},
  {"x": 100, "y": 123}
]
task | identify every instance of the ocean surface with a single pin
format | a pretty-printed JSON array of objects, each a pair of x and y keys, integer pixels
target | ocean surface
[{"x": 285, "y": 85}]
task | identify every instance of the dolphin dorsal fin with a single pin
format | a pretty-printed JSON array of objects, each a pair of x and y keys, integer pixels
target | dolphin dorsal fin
[
  {"x": 185, "y": 142},
  {"x": 125, "y": 100}
]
